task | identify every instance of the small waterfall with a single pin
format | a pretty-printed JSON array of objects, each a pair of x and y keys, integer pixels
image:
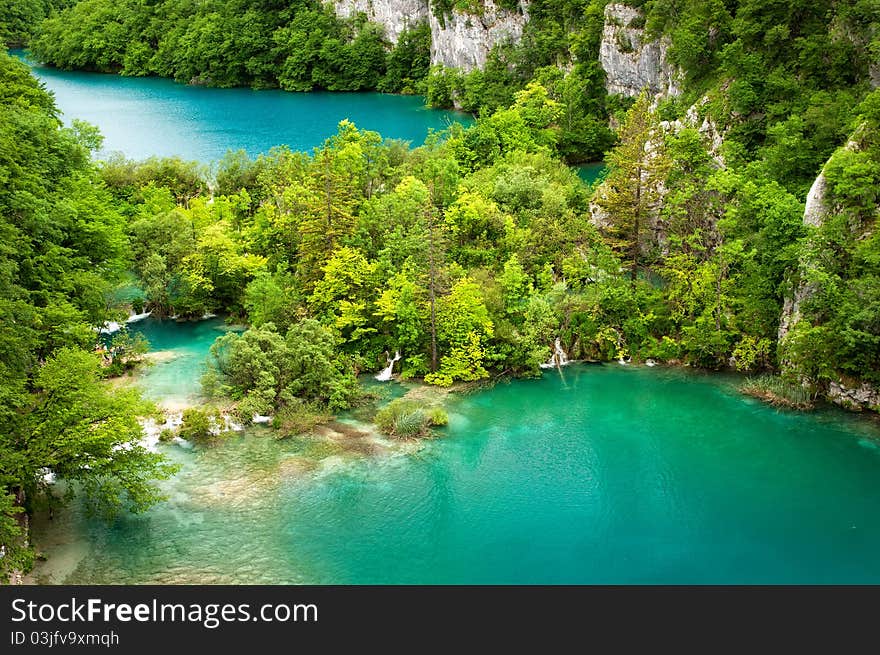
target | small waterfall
[
  {"x": 134, "y": 318},
  {"x": 109, "y": 327},
  {"x": 385, "y": 375},
  {"x": 558, "y": 358}
]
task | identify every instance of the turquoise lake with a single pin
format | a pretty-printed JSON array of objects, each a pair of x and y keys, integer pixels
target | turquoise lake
[
  {"x": 604, "y": 474},
  {"x": 141, "y": 117},
  {"x": 601, "y": 474}
]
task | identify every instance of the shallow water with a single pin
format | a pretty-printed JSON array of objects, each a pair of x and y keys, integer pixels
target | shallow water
[
  {"x": 606, "y": 474},
  {"x": 144, "y": 116},
  {"x": 178, "y": 351}
]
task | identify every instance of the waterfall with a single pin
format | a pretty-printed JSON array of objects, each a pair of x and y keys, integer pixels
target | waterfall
[
  {"x": 385, "y": 375},
  {"x": 558, "y": 358},
  {"x": 134, "y": 318},
  {"x": 109, "y": 327}
]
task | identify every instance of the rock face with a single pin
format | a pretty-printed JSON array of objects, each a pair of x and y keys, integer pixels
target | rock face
[
  {"x": 463, "y": 41},
  {"x": 394, "y": 15},
  {"x": 850, "y": 394},
  {"x": 713, "y": 139},
  {"x": 815, "y": 211},
  {"x": 862, "y": 397},
  {"x": 631, "y": 63},
  {"x": 458, "y": 39}
]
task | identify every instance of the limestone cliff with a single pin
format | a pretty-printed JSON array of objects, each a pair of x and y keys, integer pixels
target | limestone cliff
[
  {"x": 462, "y": 40},
  {"x": 630, "y": 61},
  {"x": 852, "y": 394},
  {"x": 458, "y": 39},
  {"x": 815, "y": 211},
  {"x": 694, "y": 118},
  {"x": 394, "y": 15}
]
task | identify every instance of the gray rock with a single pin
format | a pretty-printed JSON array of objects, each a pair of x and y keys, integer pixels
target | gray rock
[
  {"x": 460, "y": 40},
  {"x": 863, "y": 396},
  {"x": 631, "y": 63},
  {"x": 394, "y": 15},
  {"x": 815, "y": 209},
  {"x": 464, "y": 40}
]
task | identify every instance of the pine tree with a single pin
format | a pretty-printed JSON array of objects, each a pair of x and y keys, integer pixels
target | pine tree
[{"x": 634, "y": 186}]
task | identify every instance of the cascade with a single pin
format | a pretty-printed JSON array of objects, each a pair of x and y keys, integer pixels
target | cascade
[
  {"x": 558, "y": 358},
  {"x": 134, "y": 318},
  {"x": 385, "y": 375}
]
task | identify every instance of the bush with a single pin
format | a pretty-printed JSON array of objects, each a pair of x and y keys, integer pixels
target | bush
[
  {"x": 774, "y": 390},
  {"x": 409, "y": 418},
  {"x": 196, "y": 425},
  {"x": 438, "y": 416},
  {"x": 300, "y": 418}
]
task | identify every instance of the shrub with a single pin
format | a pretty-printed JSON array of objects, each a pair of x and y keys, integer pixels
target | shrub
[
  {"x": 774, "y": 390},
  {"x": 409, "y": 418},
  {"x": 300, "y": 418},
  {"x": 196, "y": 425}
]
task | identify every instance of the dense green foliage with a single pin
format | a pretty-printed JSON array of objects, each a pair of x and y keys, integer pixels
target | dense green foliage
[
  {"x": 839, "y": 335},
  {"x": 295, "y": 46},
  {"x": 560, "y": 34},
  {"x": 267, "y": 371},
  {"x": 63, "y": 249},
  {"x": 786, "y": 76},
  {"x": 19, "y": 19},
  {"x": 469, "y": 255}
]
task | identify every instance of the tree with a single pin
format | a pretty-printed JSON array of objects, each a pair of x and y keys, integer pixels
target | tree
[
  {"x": 638, "y": 166},
  {"x": 63, "y": 251},
  {"x": 463, "y": 329},
  {"x": 267, "y": 372}
]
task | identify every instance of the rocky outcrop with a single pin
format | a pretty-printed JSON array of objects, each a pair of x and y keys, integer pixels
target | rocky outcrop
[
  {"x": 630, "y": 61},
  {"x": 394, "y": 15},
  {"x": 713, "y": 139},
  {"x": 863, "y": 396},
  {"x": 458, "y": 39},
  {"x": 816, "y": 209},
  {"x": 852, "y": 394},
  {"x": 464, "y": 41}
]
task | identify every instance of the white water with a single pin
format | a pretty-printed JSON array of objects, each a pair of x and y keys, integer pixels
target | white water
[
  {"x": 385, "y": 375},
  {"x": 134, "y": 318},
  {"x": 174, "y": 420},
  {"x": 558, "y": 358},
  {"x": 109, "y": 327}
]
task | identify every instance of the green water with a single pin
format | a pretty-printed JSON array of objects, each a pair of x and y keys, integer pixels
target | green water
[
  {"x": 609, "y": 474},
  {"x": 592, "y": 172},
  {"x": 151, "y": 116},
  {"x": 179, "y": 350}
]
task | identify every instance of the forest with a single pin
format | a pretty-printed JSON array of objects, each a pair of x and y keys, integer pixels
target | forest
[{"x": 469, "y": 255}]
